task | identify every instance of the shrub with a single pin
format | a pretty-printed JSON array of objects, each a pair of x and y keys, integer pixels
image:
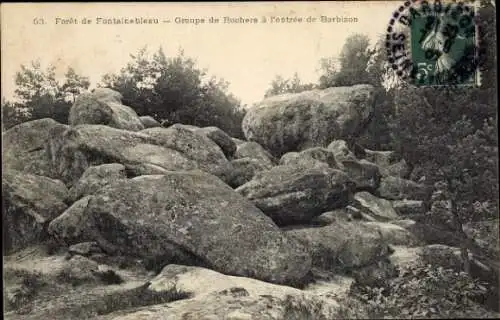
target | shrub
[{"x": 426, "y": 291}]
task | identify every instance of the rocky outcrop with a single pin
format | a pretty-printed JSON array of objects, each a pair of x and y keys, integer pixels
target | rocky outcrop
[
  {"x": 365, "y": 175},
  {"x": 29, "y": 203},
  {"x": 394, "y": 188},
  {"x": 149, "y": 151},
  {"x": 380, "y": 209},
  {"x": 409, "y": 208},
  {"x": 394, "y": 234},
  {"x": 96, "y": 177},
  {"x": 348, "y": 213},
  {"x": 23, "y": 146},
  {"x": 75, "y": 226},
  {"x": 341, "y": 151},
  {"x": 73, "y": 150},
  {"x": 255, "y": 151},
  {"x": 104, "y": 106},
  {"x": 237, "y": 141},
  {"x": 342, "y": 246},
  {"x": 244, "y": 169},
  {"x": 296, "y": 194},
  {"x": 222, "y": 139},
  {"x": 294, "y": 122},
  {"x": 199, "y": 148},
  {"x": 151, "y": 154},
  {"x": 309, "y": 157},
  {"x": 380, "y": 158},
  {"x": 389, "y": 162},
  {"x": 149, "y": 122},
  {"x": 156, "y": 217}
]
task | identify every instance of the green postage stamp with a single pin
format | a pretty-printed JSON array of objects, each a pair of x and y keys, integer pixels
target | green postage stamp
[{"x": 442, "y": 37}]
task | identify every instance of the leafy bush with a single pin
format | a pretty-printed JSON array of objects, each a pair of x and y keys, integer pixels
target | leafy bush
[{"x": 426, "y": 291}]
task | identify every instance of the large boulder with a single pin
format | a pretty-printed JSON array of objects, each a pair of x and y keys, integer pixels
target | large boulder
[
  {"x": 96, "y": 177},
  {"x": 222, "y": 139},
  {"x": 237, "y": 141},
  {"x": 75, "y": 226},
  {"x": 343, "y": 245},
  {"x": 195, "y": 213},
  {"x": 104, "y": 106},
  {"x": 73, "y": 150},
  {"x": 389, "y": 162},
  {"x": 394, "y": 234},
  {"x": 409, "y": 208},
  {"x": 193, "y": 146},
  {"x": 381, "y": 158},
  {"x": 341, "y": 151},
  {"x": 29, "y": 203},
  {"x": 348, "y": 213},
  {"x": 23, "y": 146},
  {"x": 381, "y": 209},
  {"x": 310, "y": 156},
  {"x": 296, "y": 194},
  {"x": 151, "y": 154},
  {"x": 149, "y": 122},
  {"x": 394, "y": 188},
  {"x": 107, "y": 95},
  {"x": 294, "y": 122},
  {"x": 244, "y": 169},
  {"x": 365, "y": 174},
  {"x": 255, "y": 151}
]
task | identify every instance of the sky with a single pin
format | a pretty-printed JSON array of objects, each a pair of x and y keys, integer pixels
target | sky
[{"x": 247, "y": 55}]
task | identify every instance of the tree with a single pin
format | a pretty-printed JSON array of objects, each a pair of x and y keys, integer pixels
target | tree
[
  {"x": 74, "y": 85},
  {"x": 33, "y": 82},
  {"x": 281, "y": 85},
  {"x": 39, "y": 95},
  {"x": 353, "y": 61},
  {"x": 174, "y": 89},
  {"x": 328, "y": 71}
]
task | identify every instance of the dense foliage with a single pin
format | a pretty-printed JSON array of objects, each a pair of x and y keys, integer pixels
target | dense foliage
[
  {"x": 425, "y": 291},
  {"x": 174, "y": 89},
  {"x": 40, "y": 95},
  {"x": 280, "y": 85}
]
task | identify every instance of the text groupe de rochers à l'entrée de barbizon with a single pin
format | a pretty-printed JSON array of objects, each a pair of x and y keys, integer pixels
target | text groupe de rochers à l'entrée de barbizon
[{"x": 272, "y": 19}]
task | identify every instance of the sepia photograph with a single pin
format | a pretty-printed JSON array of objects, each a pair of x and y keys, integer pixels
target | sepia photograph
[{"x": 277, "y": 160}]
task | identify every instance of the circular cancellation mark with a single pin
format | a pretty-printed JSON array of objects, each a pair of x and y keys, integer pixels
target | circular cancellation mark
[{"x": 434, "y": 43}]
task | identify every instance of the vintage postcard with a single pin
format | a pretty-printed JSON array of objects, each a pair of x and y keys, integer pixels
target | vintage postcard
[{"x": 250, "y": 160}]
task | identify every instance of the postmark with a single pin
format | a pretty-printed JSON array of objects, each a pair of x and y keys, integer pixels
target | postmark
[{"x": 435, "y": 43}]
